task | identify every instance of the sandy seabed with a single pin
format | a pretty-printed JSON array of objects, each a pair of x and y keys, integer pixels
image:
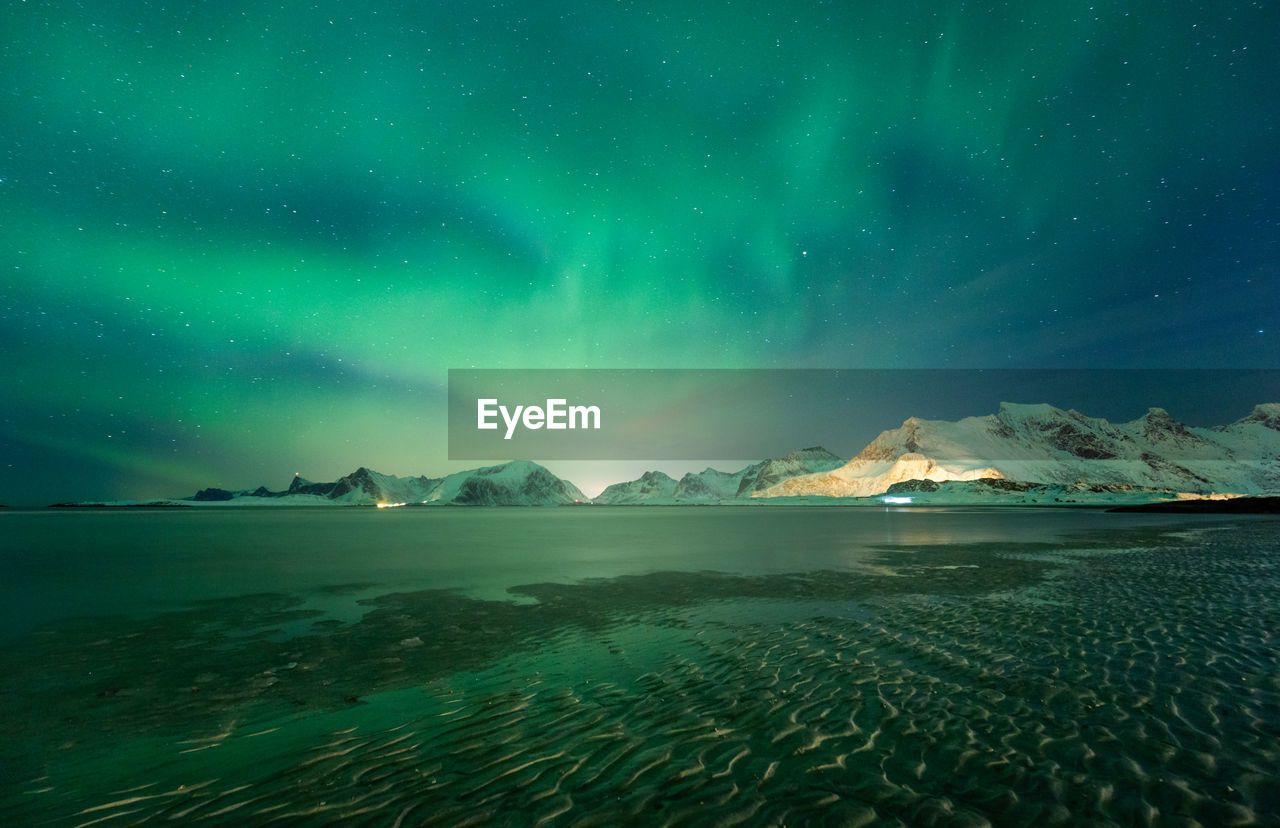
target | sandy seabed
[{"x": 1114, "y": 678}]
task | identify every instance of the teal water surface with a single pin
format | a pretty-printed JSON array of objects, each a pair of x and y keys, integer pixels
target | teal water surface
[{"x": 638, "y": 666}]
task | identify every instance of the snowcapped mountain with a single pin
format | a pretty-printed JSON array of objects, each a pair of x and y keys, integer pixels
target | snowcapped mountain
[
  {"x": 714, "y": 486},
  {"x": 1022, "y": 453},
  {"x": 518, "y": 483},
  {"x": 1040, "y": 444},
  {"x": 761, "y": 476},
  {"x": 708, "y": 486},
  {"x": 650, "y": 487},
  {"x": 365, "y": 487}
]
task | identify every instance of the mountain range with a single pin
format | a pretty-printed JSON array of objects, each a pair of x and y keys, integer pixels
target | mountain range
[
  {"x": 1046, "y": 446},
  {"x": 518, "y": 483},
  {"x": 712, "y": 486},
  {"x": 1021, "y": 454}
]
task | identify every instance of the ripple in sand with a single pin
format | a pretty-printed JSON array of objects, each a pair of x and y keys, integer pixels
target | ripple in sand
[{"x": 1146, "y": 686}]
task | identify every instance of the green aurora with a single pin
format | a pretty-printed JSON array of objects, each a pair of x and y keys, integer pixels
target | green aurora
[{"x": 245, "y": 240}]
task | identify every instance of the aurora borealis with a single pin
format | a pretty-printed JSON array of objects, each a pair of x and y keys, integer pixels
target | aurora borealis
[{"x": 244, "y": 240}]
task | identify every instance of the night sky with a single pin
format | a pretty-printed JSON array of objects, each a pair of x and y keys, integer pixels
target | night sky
[{"x": 245, "y": 240}]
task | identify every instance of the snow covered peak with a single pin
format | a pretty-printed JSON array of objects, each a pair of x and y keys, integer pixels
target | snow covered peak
[
  {"x": 1158, "y": 427},
  {"x": 1042, "y": 444},
  {"x": 708, "y": 486},
  {"x": 299, "y": 483},
  {"x": 811, "y": 454},
  {"x": 651, "y": 487},
  {"x": 512, "y": 468},
  {"x": 1023, "y": 412},
  {"x": 1160, "y": 418},
  {"x": 364, "y": 486},
  {"x": 714, "y": 486},
  {"x": 517, "y": 483},
  {"x": 771, "y": 472},
  {"x": 1266, "y": 414},
  {"x": 867, "y": 476}
]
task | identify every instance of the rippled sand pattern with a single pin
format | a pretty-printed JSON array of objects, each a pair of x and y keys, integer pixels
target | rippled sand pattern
[{"x": 1139, "y": 686}]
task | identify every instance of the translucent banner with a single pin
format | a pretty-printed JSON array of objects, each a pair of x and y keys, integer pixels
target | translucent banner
[{"x": 722, "y": 414}]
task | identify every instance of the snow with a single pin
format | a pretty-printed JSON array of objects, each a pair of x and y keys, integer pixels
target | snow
[
  {"x": 653, "y": 487},
  {"x": 1021, "y": 454},
  {"x": 518, "y": 483},
  {"x": 872, "y": 477},
  {"x": 1045, "y": 445},
  {"x": 714, "y": 486}
]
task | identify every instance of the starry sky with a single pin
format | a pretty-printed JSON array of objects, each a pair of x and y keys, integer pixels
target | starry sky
[{"x": 243, "y": 240}]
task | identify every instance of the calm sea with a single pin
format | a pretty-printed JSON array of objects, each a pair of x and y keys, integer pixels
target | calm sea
[{"x": 605, "y": 666}]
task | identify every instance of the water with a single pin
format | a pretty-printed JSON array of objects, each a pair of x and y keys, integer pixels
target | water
[{"x": 638, "y": 666}]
